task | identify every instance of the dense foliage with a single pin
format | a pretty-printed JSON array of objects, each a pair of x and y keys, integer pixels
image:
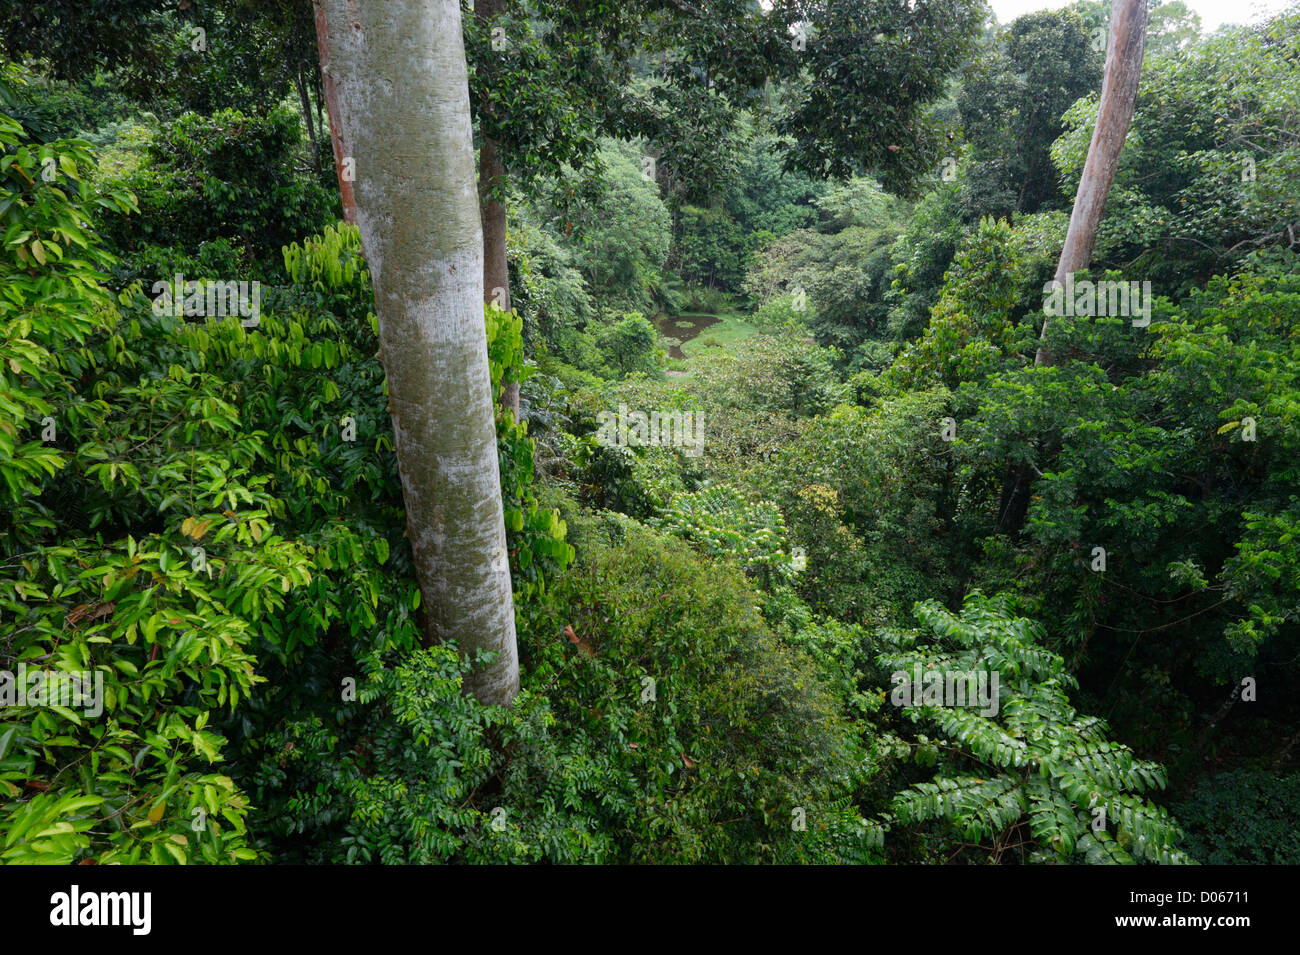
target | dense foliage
[{"x": 848, "y": 466}]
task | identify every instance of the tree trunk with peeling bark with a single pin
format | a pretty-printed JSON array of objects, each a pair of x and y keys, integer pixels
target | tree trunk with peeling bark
[
  {"x": 1128, "y": 22},
  {"x": 330, "y": 95},
  {"x": 399, "y": 73}
]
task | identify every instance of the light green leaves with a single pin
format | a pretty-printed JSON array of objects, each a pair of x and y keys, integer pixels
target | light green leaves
[{"x": 1033, "y": 757}]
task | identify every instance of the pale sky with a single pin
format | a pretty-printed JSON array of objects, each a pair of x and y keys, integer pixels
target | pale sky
[{"x": 1213, "y": 13}]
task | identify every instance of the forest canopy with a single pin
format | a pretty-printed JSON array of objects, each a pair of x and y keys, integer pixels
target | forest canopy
[{"x": 647, "y": 435}]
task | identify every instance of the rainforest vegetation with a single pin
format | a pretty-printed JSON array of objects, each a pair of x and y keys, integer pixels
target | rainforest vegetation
[{"x": 604, "y": 436}]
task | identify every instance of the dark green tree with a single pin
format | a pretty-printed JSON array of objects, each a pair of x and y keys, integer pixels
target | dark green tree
[{"x": 1012, "y": 99}]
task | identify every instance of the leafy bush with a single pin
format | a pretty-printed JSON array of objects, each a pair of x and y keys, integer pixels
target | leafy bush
[
  {"x": 1142, "y": 444},
  {"x": 1242, "y": 817},
  {"x": 547, "y": 289},
  {"x": 535, "y": 533},
  {"x": 621, "y": 238},
  {"x": 866, "y": 492},
  {"x": 840, "y": 275},
  {"x": 775, "y": 374},
  {"x": 701, "y": 299},
  {"x": 721, "y": 523},
  {"x": 707, "y": 732},
  {"x": 921, "y": 255},
  {"x": 228, "y": 175},
  {"x": 778, "y": 314},
  {"x": 636, "y": 481},
  {"x": 630, "y": 345},
  {"x": 1032, "y": 779},
  {"x": 332, "y": 267},
  {"x": 983, "y": 320},
  {"x": 162, "y": 606}
]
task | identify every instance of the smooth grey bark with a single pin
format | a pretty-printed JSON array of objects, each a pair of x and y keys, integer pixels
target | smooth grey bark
[
  {"x": 1128, "y": 24},
  {"x": 398, "y": 70}
]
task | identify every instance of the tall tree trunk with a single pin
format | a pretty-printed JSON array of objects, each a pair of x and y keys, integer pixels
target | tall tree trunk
[
  {"x": 496, "y": 266},
  {"x": 330, "y": 95},
  {"x": 1128, "y": 22},
  {"x": 491, "y": 179},
  {"x": 311, "y": 123},
  {"x": 399, "y": 71}
]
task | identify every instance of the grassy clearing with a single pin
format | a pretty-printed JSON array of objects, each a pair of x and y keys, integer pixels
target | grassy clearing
[{"x": 732, "y": 329}]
